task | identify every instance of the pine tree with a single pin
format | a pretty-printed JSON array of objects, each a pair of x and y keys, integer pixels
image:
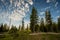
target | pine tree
[
  {"x": 59, "y": 24},
  {"x": 48, "y": 20},
  {"x": 37, "y": 28},
  {"x": 33, "y": 19},
  {"x": 13, "y": 29},
  {"x": 22, "y": 24},
  {"x": 5, "y": 27},
  {"x": 42, "y": 25},
  {"x": 54, "y": 25},
  {"x": 27, "y": 27},
  {"x": 1, "y": 28},
  {"x": 19, "y": 28}
]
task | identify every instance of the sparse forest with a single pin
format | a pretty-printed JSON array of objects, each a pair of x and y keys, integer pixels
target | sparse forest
[
  {"x": 29, "y": 19},
  {"x": 35, "y": 27}
]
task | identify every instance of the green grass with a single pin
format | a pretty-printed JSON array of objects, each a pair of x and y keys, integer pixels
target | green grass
[{"x": 26, "y": 36}]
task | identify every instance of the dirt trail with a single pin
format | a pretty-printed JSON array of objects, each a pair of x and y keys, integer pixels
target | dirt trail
[{"x": 44, "y": 33}]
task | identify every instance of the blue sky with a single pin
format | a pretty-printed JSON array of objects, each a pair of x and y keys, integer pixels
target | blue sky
[
  {"x": 18, "y": 9},
  {"x": 52, "y": 5}
]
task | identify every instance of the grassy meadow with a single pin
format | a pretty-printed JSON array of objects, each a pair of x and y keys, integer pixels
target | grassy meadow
[{"x": 29, "y": 36}]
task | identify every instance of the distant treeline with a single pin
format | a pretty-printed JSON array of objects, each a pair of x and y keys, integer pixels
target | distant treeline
[
  {"x": 48, "y": 26},
  {"x": 35, "y": 25}
]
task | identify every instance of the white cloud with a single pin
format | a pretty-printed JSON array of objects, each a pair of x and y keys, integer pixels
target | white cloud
[
  {"x": 4, "y": 15},
  {"x": 23, "y": 2},
  {"x": 47, "y": 8},
  {"x": 2, "y": 0},
  {"x": 48, "y": 1},
  {"x": 17, "y": 16},
  {"x": 19, "y": 9},
  {"x": 11, "y": 1},
  {"x": 24, "y": 7},
  {"x": 58, "y": 16},
  {"x": 27, "y": 7},
  {"x": 56, "y": 4},
  {"x": 30, "y": 1},
  {"x": 42, "y": 13}
]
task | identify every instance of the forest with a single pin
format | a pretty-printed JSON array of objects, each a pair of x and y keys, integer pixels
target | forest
[
  {"x": 21, "y": 33},
  {"x": 35, "y": 26}
]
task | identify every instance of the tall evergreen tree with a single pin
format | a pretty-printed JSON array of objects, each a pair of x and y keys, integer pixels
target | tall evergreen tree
[
  {"x": 13, "y": 29},
  {"x": 42, "y": 25},
  {"x": 59, "y": 24},
  {"x": 22, "y": 24},
  {"x": 27, "y": 27},
  {"x": 5, "y": 27},
  {"x": 55, "y": 28},
  {"x": 33, "y": 19},
  {"x": 37, "y": 28},
  {"x": 1, "y": 28},
  {"x": 48, "y": 20},
  {"x": 19, "y": 28}
]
